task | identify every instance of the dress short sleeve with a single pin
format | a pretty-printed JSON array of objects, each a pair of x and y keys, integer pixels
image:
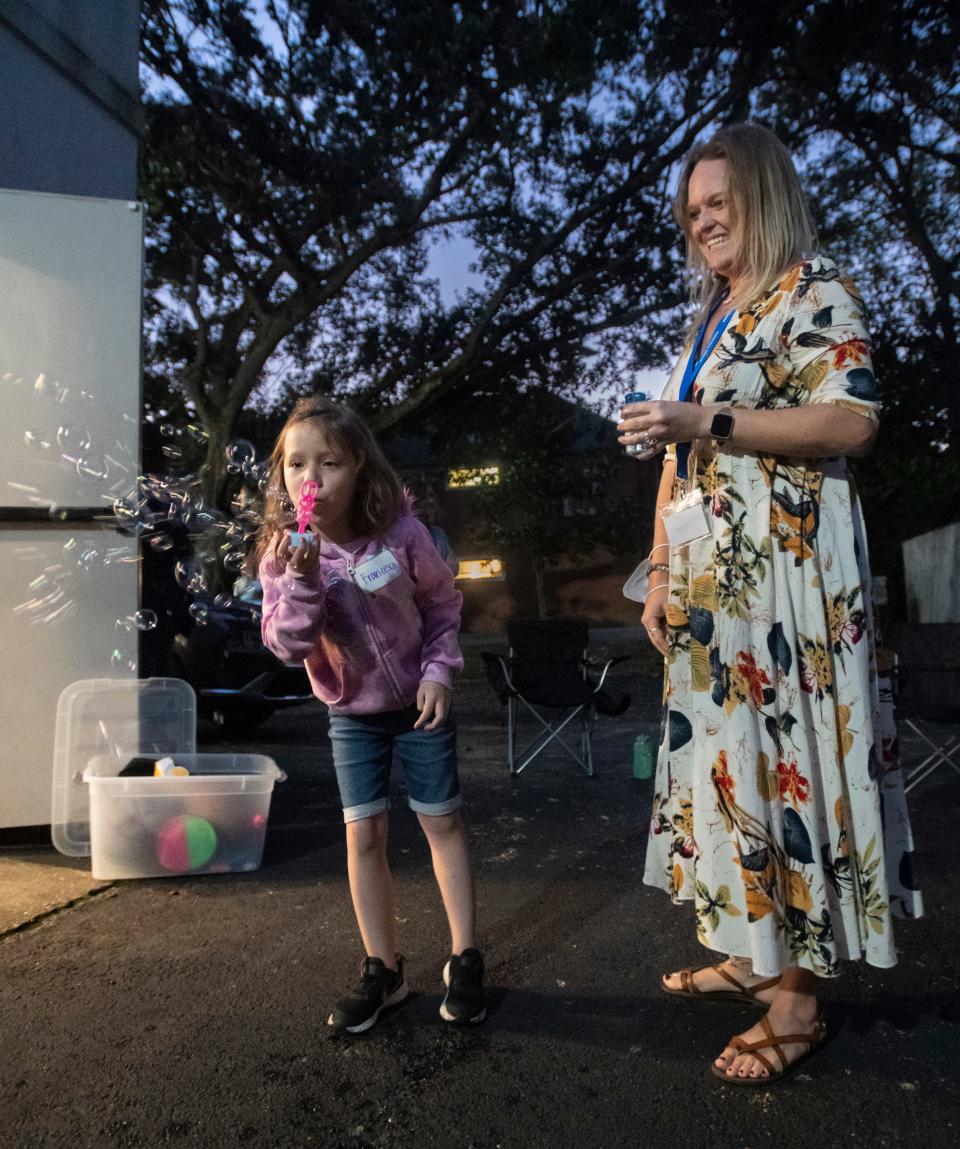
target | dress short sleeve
[{"x": 828, "y": 344}]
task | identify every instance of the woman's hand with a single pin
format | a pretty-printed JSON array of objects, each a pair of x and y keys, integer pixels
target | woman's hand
[
  {"x": 433, "y": 699},
  {"x": 662, "y": 421},
  {"x": 654, "y": 617},
  {"x": 302, "y": 560}
]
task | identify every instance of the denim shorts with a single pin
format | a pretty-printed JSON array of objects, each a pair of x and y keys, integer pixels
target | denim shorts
[{"x": 363, "y": 748}]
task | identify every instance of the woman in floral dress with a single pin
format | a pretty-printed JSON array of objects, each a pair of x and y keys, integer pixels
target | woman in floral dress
[{"x": 776, "y": 810}]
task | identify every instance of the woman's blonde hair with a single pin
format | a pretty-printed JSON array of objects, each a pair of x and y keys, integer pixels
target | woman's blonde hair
[
  {"x": 378, "y": 498},
  {"x": 769, "y": 210}
]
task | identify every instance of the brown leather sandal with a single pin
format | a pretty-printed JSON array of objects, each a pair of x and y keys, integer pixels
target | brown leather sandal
[
  {"x": 774, "y": 1041},
  {"x": 740, "y": 992}
]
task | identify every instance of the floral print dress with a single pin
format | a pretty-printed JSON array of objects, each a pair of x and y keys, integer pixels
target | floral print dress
[{"x": 779, "y": 807}]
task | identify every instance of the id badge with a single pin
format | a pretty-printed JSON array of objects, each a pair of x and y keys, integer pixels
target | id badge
[
  {"x": 686, "y": 520},
  {"x": 376, "y": 572}
]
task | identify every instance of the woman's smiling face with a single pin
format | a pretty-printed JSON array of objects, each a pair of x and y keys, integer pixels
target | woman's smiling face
[{"x": 711, "y": 225}]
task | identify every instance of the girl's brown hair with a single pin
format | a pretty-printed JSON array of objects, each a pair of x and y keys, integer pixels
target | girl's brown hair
[
  {"x": 769, "y": 209},
  {"x": 378, "y": 498}
]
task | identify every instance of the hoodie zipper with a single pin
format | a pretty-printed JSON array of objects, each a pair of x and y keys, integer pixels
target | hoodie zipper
[{"x": 372, "y": 633}]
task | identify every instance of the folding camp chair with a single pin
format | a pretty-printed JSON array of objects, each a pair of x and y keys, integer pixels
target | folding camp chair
[
  {"x": 548, "y": 668},
  {"x": 927, "y": 693}
]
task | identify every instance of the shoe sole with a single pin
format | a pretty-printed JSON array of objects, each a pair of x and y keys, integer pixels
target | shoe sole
[
  {"x": 394, "y": 998},
  {"x": 448, "y": 1016}
]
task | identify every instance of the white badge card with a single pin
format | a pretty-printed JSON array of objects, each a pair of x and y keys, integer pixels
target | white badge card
[
  {"x": 376, "y": 572},
  {"x": 686, "y": 520}
]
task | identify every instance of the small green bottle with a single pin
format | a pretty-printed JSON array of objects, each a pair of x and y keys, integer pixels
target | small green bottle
[{"x": 644, "y": 756}]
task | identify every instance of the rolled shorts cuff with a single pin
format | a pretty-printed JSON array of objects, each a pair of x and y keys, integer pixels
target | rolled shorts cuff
[
  {"x": 436, "y": 808},
  {"x": 367, "y": 810}
]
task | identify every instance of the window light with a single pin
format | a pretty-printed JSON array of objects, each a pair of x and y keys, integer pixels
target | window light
[
  {"x": 480, "y": 568},
  {"x": 473, "y": 477}
]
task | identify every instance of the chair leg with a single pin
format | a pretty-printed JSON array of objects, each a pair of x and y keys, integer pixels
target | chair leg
[
  {"x": 589, "y": 714},
  {"x": 941, "y": 753},
  {"x": 511, "y": 735},
  {"x": 547, "y": 735}
]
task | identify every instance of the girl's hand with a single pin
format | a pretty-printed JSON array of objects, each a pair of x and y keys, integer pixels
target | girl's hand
[
  {"x": 664, "y": 422},
  {"x": 305, "y": 559},
  {"x": 433, "y": 699},
  {"x": 654, "y": 617}
]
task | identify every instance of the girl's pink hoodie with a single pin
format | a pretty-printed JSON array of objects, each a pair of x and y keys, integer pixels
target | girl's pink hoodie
[{"x": 367, "y": 652}]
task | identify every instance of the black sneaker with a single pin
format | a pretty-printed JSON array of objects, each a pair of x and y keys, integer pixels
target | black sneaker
[
  {"x": 379, "y": 988},
  {"x": 464, "y": 1002}
]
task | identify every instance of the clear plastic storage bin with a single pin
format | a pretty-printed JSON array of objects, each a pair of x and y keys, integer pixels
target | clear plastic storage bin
[{"x": 213, "y": 820}]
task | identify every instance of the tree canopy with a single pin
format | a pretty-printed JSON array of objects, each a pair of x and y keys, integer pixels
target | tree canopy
[{"x": 302, "y": 161}]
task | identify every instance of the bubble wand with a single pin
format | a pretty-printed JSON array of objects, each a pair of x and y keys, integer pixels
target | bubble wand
[{"x": 308, "y": 496}]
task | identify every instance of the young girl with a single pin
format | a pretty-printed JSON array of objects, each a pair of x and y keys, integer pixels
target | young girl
[{"x": 370, "y": 607}]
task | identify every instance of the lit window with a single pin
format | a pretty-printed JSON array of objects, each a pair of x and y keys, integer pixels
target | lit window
[
  {"x": 480, "y": 568},
  {"x": 473, "y": 477}
]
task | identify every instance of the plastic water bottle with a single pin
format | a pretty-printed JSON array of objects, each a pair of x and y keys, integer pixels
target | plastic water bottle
[
  {"x": 635, "y": 449},
  {"x": 644, "y": 757}
]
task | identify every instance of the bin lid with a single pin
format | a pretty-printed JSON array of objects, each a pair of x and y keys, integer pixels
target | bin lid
[{"x": 118, "y": 719}]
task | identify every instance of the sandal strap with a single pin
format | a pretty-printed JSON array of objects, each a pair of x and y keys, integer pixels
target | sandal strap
[
  {"x": 686, "y": 981},
  {"x": 746, "y": 990},
  {"x": 742, "y": 1046},
  {"x": 776, "y": 1041}
]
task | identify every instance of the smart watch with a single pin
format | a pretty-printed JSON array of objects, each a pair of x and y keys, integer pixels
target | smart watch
[{"x": 722, "y": 425}]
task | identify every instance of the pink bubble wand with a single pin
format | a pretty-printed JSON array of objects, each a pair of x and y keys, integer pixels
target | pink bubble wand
[{"x": 308, "y": 496}]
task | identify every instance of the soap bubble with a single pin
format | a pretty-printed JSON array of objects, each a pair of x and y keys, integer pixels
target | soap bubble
[
  {"x": 36, "y": 440},
  {"x": 161, "y": 542},
  {"x": 189, "y": 574},
  {"x": 199, "y": 613},
  {"x": 92, "y": 468},
  {"x": 76, "y": 440},
  {"x": 240, "y": 451},
  {"x": 116, "y": 659},
  {"x": 145, "y": 620},
  {"x": 233, "y": 561}
]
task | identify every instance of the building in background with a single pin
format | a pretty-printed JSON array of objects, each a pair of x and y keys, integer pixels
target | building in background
[{"x": 573, "y": 479}]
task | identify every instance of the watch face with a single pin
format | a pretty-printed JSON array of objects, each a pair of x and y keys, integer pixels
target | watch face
[{"x": 722, "y": 425}]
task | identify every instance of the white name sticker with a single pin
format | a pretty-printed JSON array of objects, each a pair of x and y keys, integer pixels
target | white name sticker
[{"x": 376, "y": 572}]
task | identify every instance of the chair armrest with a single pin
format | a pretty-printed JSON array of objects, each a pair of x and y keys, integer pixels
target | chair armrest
[{"x": 498, "y": 674}]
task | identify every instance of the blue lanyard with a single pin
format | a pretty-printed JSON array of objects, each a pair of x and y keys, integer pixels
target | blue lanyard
[{"x": 694, "y": 365}]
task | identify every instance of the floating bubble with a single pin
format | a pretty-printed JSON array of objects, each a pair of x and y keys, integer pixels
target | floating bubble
[
  {"x": 240, "y": 451},
  {"x": 189, "y": 575},
  {"x": 233, "y": 561},
  {"x": 76, "y": 440},
  {"x": 116, "y": 659},
  {"x": 195, "y": 431},
  {"x": 167, "y": 430},
  {"x": 126, "y": 510},
  {"x": 170, "y": 451},
  {"x": 88, "y": 558},
  {"x": 222, "y": 601},
  {"x": 92, "y": 468},
  {"x": 123, "y": 625},
  {"x": 234, "y": 468},
  {"x": 199, "y": 613},
  {"x": 145, "y": 620},
  {"x": 161, "y": 542},
  {"x": 36, "y": 440}
]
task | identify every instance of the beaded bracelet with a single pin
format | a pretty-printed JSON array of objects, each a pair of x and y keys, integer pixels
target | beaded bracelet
[{"x": 664, "y": 567}]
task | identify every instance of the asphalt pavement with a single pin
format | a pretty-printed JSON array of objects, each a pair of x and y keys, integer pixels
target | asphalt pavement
[{"x": 190, "y": 1011}]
